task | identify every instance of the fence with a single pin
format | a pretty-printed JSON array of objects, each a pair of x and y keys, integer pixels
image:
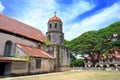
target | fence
[{"x": 94, "y": 68}]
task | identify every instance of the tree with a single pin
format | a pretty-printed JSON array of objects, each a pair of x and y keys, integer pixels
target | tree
[
  {"x": 77, "y": 63},
  {"x": 95, "y": 42}
]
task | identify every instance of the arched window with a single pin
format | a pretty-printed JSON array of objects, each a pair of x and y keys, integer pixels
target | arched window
[
  {"x": 55, "y": 25},
  {"x": 60, "y": 26},
  {"x": 50, "y": 26},
  {"x": 49, "y": 37},
  {"x": 8, "y": 48}
]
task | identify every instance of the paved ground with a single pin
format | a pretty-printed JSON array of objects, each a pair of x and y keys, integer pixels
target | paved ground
[{"x": 10, "y": 78}]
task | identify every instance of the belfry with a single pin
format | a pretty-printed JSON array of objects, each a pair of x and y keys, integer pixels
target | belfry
[{"x": 57, "y": 48}]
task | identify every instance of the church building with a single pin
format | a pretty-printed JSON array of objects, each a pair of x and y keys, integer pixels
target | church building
[{"x": 23, "y": 50}]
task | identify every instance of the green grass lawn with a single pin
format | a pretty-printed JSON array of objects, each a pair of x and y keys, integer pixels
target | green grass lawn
[{"x": 77, "y": 75}]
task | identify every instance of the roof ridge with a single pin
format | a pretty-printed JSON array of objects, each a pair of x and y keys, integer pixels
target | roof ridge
[
  {"x": 15, "y": 19},
  {"x": 18, "y": 27},
  {"x": 27, "y": 45}
]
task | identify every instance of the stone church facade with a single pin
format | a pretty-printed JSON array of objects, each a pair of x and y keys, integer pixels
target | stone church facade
[{"x": 22, "y": 49}]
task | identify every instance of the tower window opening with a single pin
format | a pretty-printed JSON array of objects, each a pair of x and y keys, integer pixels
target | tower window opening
[
  {"x": 50, "y": 26},
  {"x": 60, "y": 26},
  {"x": 49, "y": 37},
  {"x": 55, "y": 25}
]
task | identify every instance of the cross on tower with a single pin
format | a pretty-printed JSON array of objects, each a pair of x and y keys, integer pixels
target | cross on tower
[{"x": 55, "y": 13}]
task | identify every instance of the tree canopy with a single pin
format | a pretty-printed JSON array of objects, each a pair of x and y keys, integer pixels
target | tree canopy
[{"x": 96, "y": 41}]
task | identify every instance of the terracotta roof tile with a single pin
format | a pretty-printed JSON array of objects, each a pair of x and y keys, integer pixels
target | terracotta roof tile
[
  {"x": 88, "y": 58},
  {"x": 17, "y": 27},
  {"x": 34, "y": 52},
  {"x": 10, "y": 59},
  {"x": 103, "y": 56},
  {"x": 94, "y": 56},
  {"x": 55, "y": 18},
  {"x": 116, "y": 55}
]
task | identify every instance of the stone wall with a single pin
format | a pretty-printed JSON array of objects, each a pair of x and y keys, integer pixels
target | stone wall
[
  {"x": 5, "y": 37},
  {"x": 19, "y": 68},
  {"x": 56, "y": 37},
  {"x": 61, "y": 55},
  {"x": 32, "y": 68},
  {"x": 65, "y": 68},
  {"x": 46, "y": 65}
]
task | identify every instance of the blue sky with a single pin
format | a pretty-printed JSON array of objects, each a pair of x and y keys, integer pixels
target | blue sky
[{"x": 78, "y": 16}]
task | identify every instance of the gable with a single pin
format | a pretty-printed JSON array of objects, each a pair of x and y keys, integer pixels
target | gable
[
  {"x": 13, "y": 26},
  {"x": 34, "y": 52}
]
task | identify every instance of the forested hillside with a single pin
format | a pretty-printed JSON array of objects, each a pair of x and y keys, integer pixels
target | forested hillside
[{"x": 101, "y": 41}]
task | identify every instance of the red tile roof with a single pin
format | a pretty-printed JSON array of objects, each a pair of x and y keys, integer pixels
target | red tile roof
[
  {"x": 6, "y": 59},
  {"x": 34, "y": 52},
  {"x": 103, "y": 56},
  {"x": 88, "y": 58},
  {"x": 94, "y": 56},
  {"x": 55, "y": 18},
  {"x": 116, "y": 55},
  {"x": 11, "y": 25}
]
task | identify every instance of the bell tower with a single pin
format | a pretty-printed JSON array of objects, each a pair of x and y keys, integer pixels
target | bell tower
[
  {"x": 56, "y": 48},
  {"x": 54, "y": 33}
]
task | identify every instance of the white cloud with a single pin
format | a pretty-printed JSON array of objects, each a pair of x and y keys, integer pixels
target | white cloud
[
  {"x": 99, "y": 20},
  {"x": 39, "y": 11},
  {"x": 76, "y": 9},
  {"x": 1, "y": 7}
]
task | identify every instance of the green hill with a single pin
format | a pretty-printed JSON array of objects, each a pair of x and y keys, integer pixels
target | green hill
[{"x": 101, "y": 41}]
